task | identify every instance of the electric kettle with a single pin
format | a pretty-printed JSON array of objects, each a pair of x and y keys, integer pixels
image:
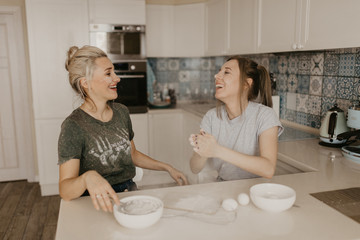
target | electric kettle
[{"x": 333, "y": 124}]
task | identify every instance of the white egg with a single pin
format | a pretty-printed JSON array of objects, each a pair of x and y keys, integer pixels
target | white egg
[
  {"x": 243, "y": 199},
  {"x": 229, "y": 204}
]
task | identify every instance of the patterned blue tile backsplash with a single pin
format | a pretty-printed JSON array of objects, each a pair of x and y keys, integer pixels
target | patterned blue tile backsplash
[{"x": 308, "y": 83}]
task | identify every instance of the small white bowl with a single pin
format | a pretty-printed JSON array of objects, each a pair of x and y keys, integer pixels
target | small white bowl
[
  {"x": 272, "y": 197},
  {"x": 138, "y": 211}
]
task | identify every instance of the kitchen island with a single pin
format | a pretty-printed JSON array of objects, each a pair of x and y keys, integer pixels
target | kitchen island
[{"x": 325, "y": 170}]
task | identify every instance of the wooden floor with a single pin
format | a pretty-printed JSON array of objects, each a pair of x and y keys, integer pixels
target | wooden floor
[{"x": 25, "y": 214}]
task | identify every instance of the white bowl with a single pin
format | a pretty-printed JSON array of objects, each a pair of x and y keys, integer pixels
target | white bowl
[
  {"x": 272, "y": 197},
  {"x": 138, "y": 211}
]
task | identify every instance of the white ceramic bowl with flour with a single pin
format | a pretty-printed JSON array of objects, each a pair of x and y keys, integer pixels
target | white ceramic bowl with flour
[
  {"x": 272, "y": 197},
  {"x": 138, "y": 211}
]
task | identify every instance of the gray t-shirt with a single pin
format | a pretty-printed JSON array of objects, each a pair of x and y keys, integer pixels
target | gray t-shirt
[
  {"x": 101, "y": 146},
  {"x": 240, "y": 134}
]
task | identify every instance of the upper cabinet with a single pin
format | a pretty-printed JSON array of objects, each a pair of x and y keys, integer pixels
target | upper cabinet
[
  {"x": 175, "y": 31},
  {"x": 278, "y": 25},
  {"x": 293, "y": 25},
  {"x": 332, "y": 24},
  {"x": 216, "y": 33},
  {"x": 117, "y": 11},
  {"x": 242, "y": 27},
  {"x": 230, "y": 27}
]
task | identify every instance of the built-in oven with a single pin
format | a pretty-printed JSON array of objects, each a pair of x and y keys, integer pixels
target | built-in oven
[
  {"x": 132, "y": 88},
  {"x": 120, "y": 42}
]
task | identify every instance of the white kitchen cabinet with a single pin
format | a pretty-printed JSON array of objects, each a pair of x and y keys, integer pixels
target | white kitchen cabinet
[
  {"x": 230, "y": 27},
  {"x": 175, "y": 30},
  {"x": 165, "y": 137},
  {"x": 278, "y": 25},
  {"x": 53, "y": 26},
  {"x": 332, "y": 24},
  {"x": 117, "y": 11},
  {"x": 216, "y": 29},
  {"x": 242, "y": 26},
  {"x": 160, "y": 32},
  {"x": 293, "y": 25},
  {"x": 141, "y": 131}
]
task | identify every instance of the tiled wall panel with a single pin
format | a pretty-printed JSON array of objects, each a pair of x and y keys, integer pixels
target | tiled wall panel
[{"x": 309, "y": 83}]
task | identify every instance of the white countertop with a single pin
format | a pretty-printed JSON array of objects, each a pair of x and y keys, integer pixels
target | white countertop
[{"x": 308, "y": 219}]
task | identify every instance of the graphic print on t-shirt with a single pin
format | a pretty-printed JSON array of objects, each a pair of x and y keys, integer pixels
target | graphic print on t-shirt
[{"x": 108, "y": 150}]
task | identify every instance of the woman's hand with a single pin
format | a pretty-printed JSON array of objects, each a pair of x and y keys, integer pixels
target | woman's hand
[
  {"x": 100, "y": 191},
  {"x": 204, "y": 144},
  {"x": 178, "y": 176}
]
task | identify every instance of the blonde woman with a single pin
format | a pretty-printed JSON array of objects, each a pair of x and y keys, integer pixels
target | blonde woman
[
  {"x": 239, "y": 137},
  {"x": 97, "y": 154}
]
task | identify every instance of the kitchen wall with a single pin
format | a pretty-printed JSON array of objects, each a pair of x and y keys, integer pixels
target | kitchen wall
[{"x": 308, "y": 83}]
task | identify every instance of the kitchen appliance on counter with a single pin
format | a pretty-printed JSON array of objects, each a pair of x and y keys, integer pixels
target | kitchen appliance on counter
[
  {"x": 352, "y": 152},
  {"x": 132, "y": 88},
  {"x": 333, "y": 124},
  {"x": 120, "y": 42}
]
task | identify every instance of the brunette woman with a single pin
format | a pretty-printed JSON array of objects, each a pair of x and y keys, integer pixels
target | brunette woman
[{"x": 239, "y": 137}]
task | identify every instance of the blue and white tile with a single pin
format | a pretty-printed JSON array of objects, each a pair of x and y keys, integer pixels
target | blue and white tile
[
  {"x": 314, "y": 121},
  {"x": 316, "y": 85},
  {"x": 184, "y": 76},
  {"x": 304, "y": 64},
  {"x": 161, "y": 64},
  {"x": 302, "y": 103},
  {"x": 207, "y": 76},
  {"x": 172, "y": 76},
  {"x": 173, "y": 64},
  {"x": 281, "y": 82},
  {"x": 162, "y": 77},
  {"x": 329, "y": 86},
  {"x": 293, "y": 64},
  {"x": 273, "y": 63},
  {"x": 302, "y": 118},
  {"x": 356, "y": 92},
  {"x": 292, "y": 83},
  {"x": 317, "y": 64},
  {"x": 347, "y": 65},
  {"x": 357, "y": 64},
  {"x": 331, "y": 64},
  {"x": 189, "y": 63},
  {"x": 282, "y": 64},
  {"x": 291, "y": 101},
  {"x": 314, "y": 105},
  {"x": 345, "y": 86},
  {"x": 326, "y": 104},
  {"x": 303, "y": 84},
  {"x": 194, "y": 75},
  {"x": 290, "y": 115},
  {"x": 207, "y": 64}
]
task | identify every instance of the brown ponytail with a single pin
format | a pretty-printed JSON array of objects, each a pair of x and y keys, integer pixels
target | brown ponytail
[{"x": 265, "y": 86}]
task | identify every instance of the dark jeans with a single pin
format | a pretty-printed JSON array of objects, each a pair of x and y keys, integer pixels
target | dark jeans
[{"x": 130, "y": 185}]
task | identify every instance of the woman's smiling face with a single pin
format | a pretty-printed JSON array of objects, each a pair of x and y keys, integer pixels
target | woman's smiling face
[
  {"x": 104, "y": 81},
  {"x": 227, "y": 82}
]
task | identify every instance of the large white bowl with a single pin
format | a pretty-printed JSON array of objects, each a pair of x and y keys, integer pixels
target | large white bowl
[
  {"x": 272, "y": 197},
  {"x": 139, "y": 211}
]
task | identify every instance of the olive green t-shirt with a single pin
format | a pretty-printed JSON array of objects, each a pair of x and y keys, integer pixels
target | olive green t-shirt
[{"x": 101, "y": 146}]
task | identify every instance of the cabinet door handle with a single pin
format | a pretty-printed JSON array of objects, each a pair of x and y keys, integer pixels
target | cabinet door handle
[{"x": 294, "y": 46}]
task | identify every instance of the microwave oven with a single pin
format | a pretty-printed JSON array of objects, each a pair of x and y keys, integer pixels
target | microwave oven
[{"x": 119, "y": 42}]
